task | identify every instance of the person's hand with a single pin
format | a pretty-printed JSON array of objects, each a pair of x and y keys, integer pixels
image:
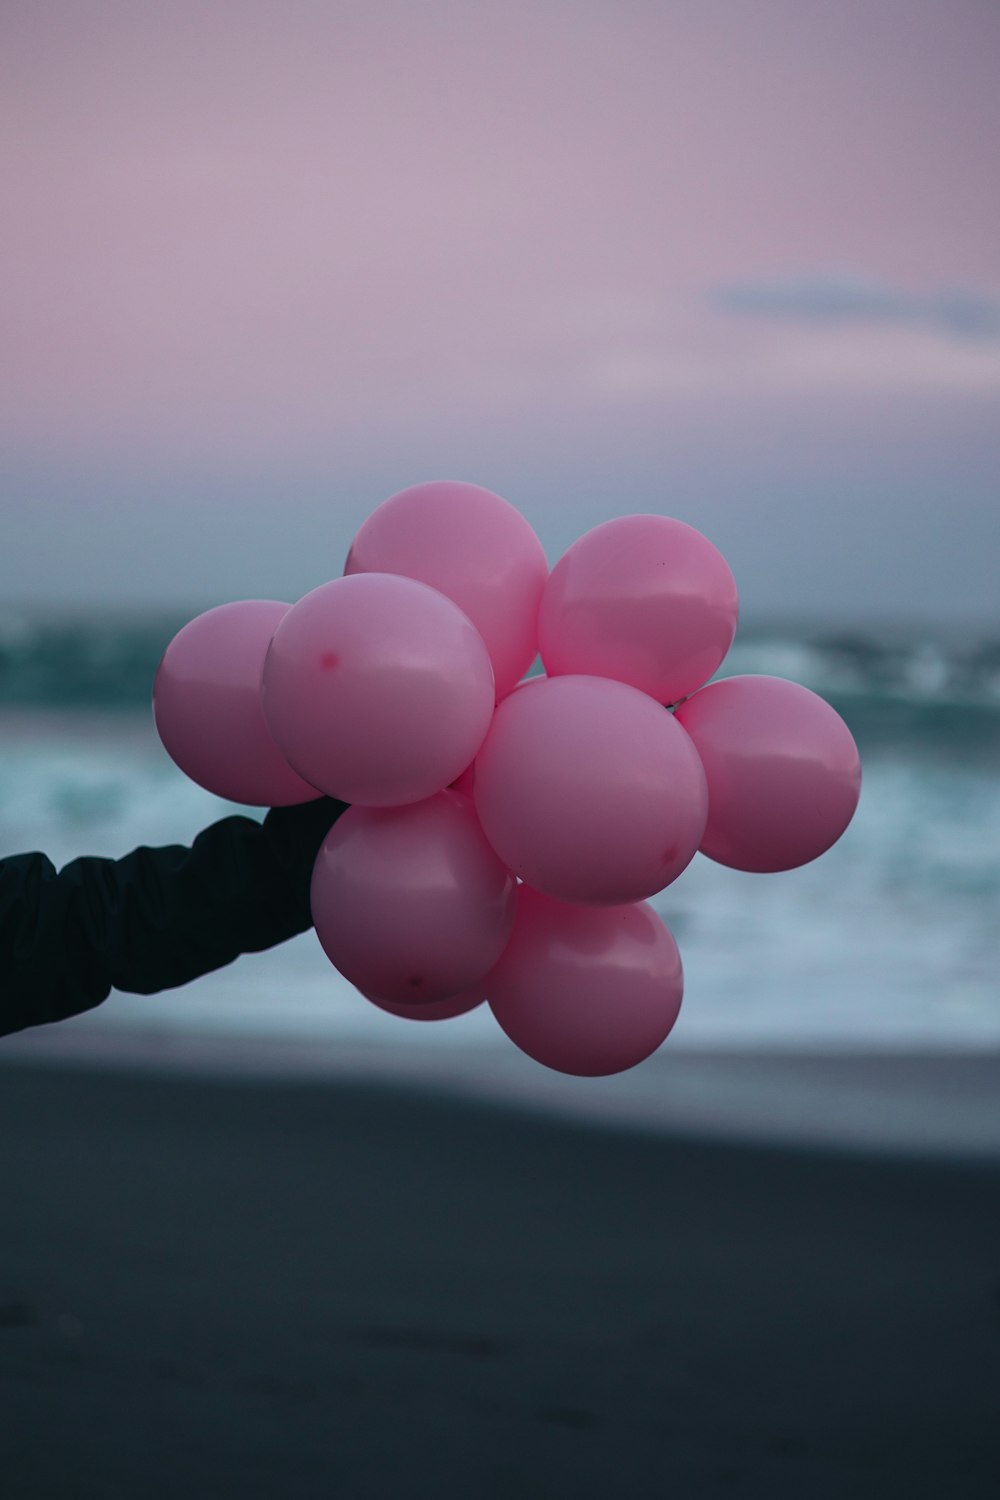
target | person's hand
[{"x": 294, "y": 835}]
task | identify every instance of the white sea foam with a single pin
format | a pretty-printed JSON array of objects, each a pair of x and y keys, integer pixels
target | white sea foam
[{"x": 891, "y": 940}]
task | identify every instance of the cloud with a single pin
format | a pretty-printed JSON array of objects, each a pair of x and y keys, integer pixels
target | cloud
[{"x": 833, "y": 298}]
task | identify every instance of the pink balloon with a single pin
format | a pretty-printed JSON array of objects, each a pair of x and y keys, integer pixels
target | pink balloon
[
  {"x": 784, "y": 775},
  {"x": 473, "y": 546},
  {"x": 207, "y": 706},
  {"x": 645, "y": 599},
  {"x": 378, "y": 689},
  {"x": 435, "y": 1010},
  {"x": 590, "y": 791},
  {"x": 411, "y": 903},
  {"x": 586, "y": 992},
  {"x": 466, "y": 783}
]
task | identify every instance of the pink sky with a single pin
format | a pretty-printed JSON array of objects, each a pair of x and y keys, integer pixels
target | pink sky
[{"x": 281, "y": 235}]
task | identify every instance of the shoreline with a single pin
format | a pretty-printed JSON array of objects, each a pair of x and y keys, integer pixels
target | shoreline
[{"x": 906, "y": 1103}]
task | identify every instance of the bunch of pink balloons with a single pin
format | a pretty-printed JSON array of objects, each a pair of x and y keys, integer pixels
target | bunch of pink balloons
[{"x": 506, "y": 832}]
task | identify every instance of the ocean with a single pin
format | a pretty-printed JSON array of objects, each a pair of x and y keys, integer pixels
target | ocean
[{"x": 889, "y": 942}]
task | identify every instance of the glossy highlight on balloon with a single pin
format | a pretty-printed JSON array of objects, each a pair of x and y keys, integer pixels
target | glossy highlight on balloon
[
  {"x": 783, "y": 771},
  {"x": 378, "y": 689},
  {"x": 586, "y": 992},
  {"x": 208, "y": 710}
]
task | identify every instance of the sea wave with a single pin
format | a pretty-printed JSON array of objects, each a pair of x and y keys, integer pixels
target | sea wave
[
  {"x": 891, "y": 939},
  {"x": 920, "y": 671},
  {"x": 108, "y": 661}
]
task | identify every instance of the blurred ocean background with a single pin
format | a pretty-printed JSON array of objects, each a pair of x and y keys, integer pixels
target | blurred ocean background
[
  {"x": 890, "y": 942},
  {"x": 735, "y": 263}
]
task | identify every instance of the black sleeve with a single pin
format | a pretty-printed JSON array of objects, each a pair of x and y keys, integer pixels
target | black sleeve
[{"x": 155, "y": 919}]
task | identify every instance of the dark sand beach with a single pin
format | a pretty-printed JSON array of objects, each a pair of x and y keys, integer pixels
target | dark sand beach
[{"x": 219, "y": 1286}]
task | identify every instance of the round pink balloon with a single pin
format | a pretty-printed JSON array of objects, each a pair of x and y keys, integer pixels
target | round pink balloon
[
  {"x": 207, "y": 706},
  {"x": 435, "y": 1010},
  {"x": 378, "y": 689},
  {"x": 586, "y": 992},
  {"x": 783, "y": 771},
  {"x": 473, "y": 546},
  {"x": 645, "y": 599},
  {"x": 590, "y": 791},
  {"x": 411, "y": 903}
]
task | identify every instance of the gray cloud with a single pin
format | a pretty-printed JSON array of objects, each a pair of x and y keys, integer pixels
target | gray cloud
[{"x": 839, "y": 298}]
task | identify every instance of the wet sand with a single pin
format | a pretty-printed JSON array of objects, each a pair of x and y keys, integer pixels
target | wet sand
[{"x": 216, "y": 1286}]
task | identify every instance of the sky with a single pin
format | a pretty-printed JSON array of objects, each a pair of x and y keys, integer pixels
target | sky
[{"x": 264, "y": 265}]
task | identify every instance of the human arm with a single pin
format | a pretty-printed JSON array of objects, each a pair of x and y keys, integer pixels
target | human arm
[{"x": 155, "y": 919}]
